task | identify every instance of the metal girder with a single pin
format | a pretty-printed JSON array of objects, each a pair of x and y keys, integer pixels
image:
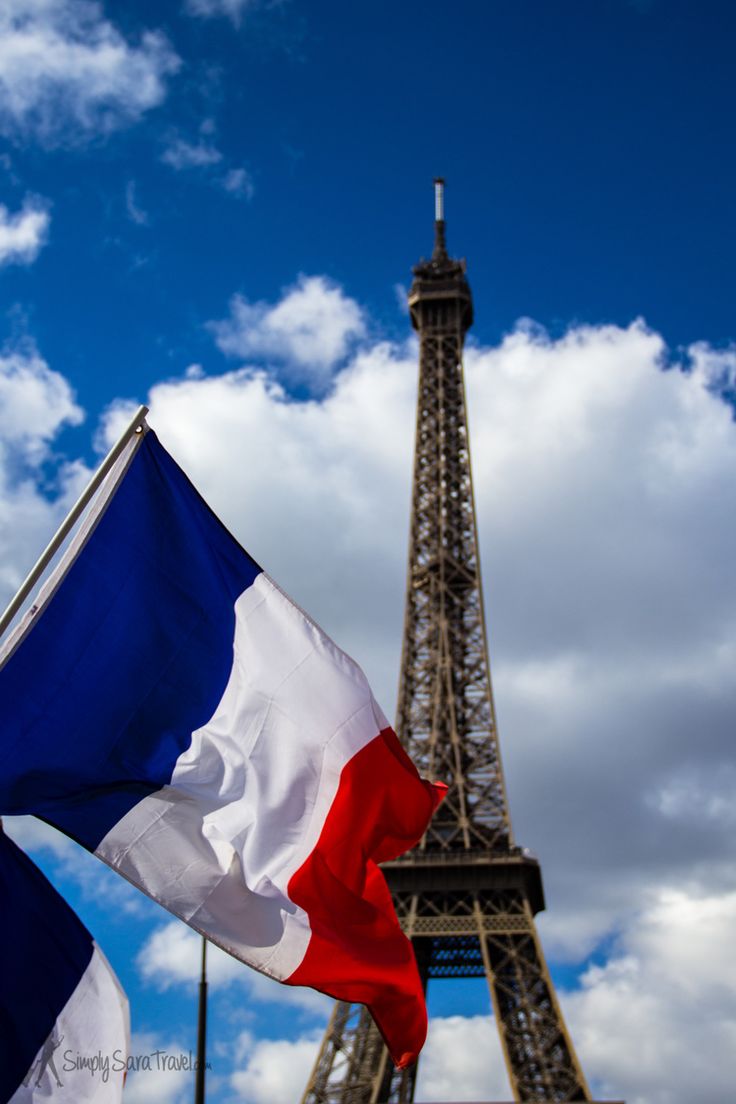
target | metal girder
[{"x": 466, "y": 896}]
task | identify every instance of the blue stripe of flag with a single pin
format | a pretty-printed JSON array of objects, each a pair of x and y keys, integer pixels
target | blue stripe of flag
[
  {"x": 128, "y": 658},
  {"x": 44, "y": 951}
]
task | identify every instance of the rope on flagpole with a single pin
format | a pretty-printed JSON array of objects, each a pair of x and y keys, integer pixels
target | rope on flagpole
[{"x": 135, "y": 425}]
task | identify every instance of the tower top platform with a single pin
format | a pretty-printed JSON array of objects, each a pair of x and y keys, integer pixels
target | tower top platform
[{"x": 442, "y": 278}]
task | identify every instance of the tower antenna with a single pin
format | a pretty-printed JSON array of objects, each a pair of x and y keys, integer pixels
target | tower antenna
[{"x": 440, "y": 248}]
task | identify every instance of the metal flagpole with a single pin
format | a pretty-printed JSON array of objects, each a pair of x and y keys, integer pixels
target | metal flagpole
[
  {"x": 201, "y": 1029},
  {"x": 134, "y": 426}
]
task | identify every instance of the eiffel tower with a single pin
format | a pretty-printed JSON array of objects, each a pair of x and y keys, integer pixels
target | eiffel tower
[{"x": 467, "y": 894}]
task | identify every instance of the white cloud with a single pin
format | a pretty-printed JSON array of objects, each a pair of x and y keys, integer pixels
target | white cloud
[
  {"x": 71, "y": 861},
  {"x": 310, "y": 330},
  {"x": 171, "y": 956},
  {"x": 156, "y": 1080},
  {"x": 401, "y": 292},
  {"x": 35, "y": 835},
  {"x": 276, "y": 1070},
  {"x": 715, "y": 367},
  {"x": 605, "y": 499},
  {"x": 605, "y": 496},
  {"x": 462, "y": 1060},
  {"x": 238, "y": 183},
  {"x": 699, "y": 795},
  {"x": 68, "y": 74},
  {"x": 135, "y": 212},
  {"x": 180, "y": 154},
  {"x": 607, "y": 542},
  {"x": 23, "y": 234},
  {"x": 35, "y": 403},
  {"x": 657, "y": 1023},
  {"x": 232, "y": 9}
]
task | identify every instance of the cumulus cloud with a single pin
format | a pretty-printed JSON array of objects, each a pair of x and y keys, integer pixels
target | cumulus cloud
[
  {"x": 605, "y": 494},
  {"x": 154, "y": 1085},
  {"x": 68, "y": 74},
  {"x": 716, "y": 367},
  {"x": 308, "y": 332},
  {"x": 275, "y": 1071},
  {"x": 657, "y": 1023},
  {"x": 462, "y": 1060},
  {"x": 607, "y": 545},
  {"x": 35, "y": 403},
  {"x": 23, "y": 234},
  {"x": 171, "y": 956}
]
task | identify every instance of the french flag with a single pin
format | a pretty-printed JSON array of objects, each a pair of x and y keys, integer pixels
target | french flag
[
  {"x": 63, "y": 1015},
  {"x": 168, "y": 706}
]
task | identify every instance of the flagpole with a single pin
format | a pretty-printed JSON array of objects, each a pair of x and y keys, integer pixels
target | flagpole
[
  {"x": 134, "y": 426},
  {"x": 201, "y": 1030}
]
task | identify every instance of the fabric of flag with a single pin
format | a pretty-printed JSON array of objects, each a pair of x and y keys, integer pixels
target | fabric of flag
[
  {"x": 63, "y": 1016},
  {"x": 168, "y": 706}
]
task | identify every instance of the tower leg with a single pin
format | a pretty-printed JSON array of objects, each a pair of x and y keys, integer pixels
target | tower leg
[
  {"x": 353, "y": 1065},
  {"x": 349, "y": 1066},
  {"x": 540, "y": 1058}
]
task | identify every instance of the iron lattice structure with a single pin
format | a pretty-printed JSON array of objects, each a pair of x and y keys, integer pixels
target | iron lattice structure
[{"x": 467, "y": 895}]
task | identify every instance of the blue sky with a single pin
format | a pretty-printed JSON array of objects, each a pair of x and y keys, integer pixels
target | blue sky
[
  {"x": 213, "y": 206},
  {"x": 587, "y": 149}
]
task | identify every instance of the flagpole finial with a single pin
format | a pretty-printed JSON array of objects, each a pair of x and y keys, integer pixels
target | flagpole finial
[{"x": 440, "y": 248}]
